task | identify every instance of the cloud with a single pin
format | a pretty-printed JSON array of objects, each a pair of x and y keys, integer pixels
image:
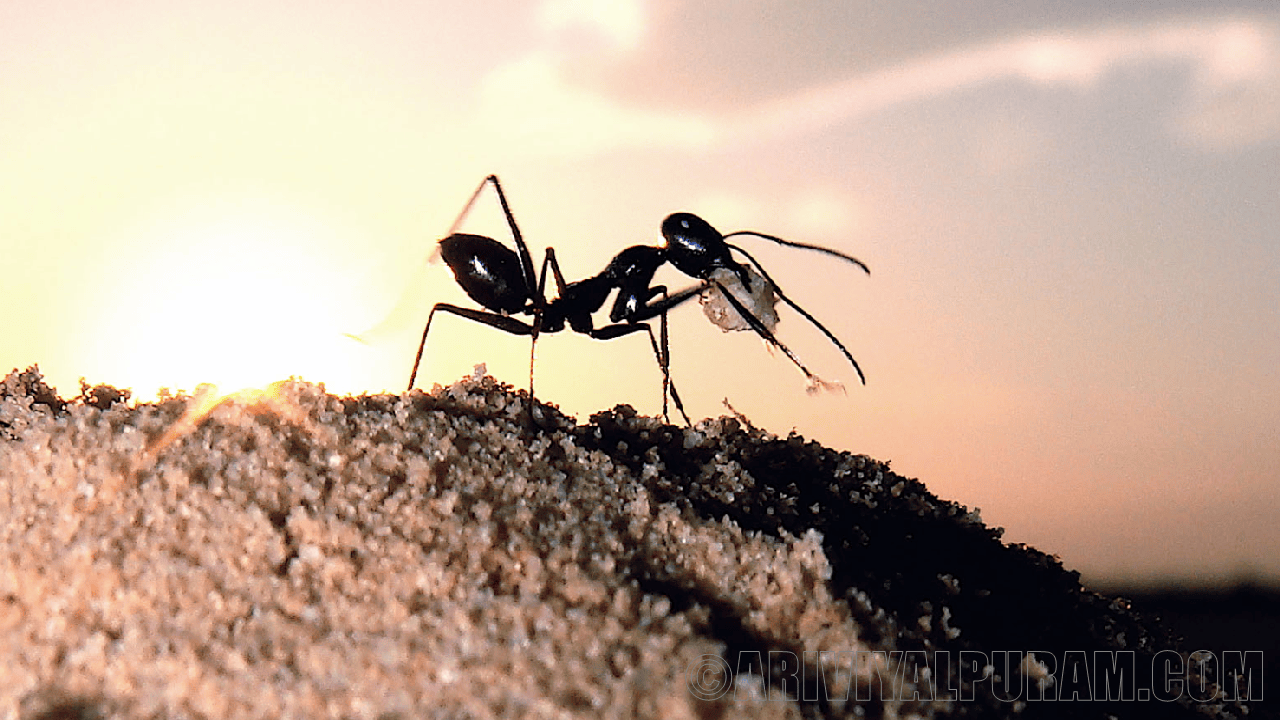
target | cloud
[
  {"x": 1233, "y": 95},
  {"x": 1235, "y": 101},
  {"x": 1234, "y": 65},
  {"x": 621, "y": 23},
  {"x": 536, "y": 109}
]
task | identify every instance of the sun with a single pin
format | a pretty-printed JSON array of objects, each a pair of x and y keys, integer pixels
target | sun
[{"x": 238, "y": 297}]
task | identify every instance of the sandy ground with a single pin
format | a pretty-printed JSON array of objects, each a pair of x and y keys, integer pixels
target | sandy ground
[{"x": 299, "y": 555}]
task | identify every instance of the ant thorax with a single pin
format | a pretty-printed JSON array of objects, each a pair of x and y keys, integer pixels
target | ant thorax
[{"x": 760, "y": 300}]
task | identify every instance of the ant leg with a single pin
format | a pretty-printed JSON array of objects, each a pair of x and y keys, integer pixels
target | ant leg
[
  {"x": 533, "y": 354},
  {"x": 664, "y": 362},
  {"x": 610, "y": 332},
  {"x": 664, "y": 353},
  {"x": 526, "y": 268},
  {"x": 550, "y": 261},
  {"x": 502, "y": 322},
  {"x": 664, "y": 359},
  {"x": 654, "y": 309},
  {"x": 466, "y": 209},
  {"x": 526, "y": 259},
  {"x": 783, "y": 296},
  {"x": 540, "y": 302}
]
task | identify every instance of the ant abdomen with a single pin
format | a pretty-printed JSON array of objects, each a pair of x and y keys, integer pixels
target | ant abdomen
[{"x": 488, "y": 271}]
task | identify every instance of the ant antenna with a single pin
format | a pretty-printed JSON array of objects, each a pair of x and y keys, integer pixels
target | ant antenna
[
  {"x": 783, "y": 296},
  {"x": 794, "y": 244}
]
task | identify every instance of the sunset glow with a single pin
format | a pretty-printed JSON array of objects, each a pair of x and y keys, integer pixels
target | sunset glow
[{"x": 233, "y": 295}]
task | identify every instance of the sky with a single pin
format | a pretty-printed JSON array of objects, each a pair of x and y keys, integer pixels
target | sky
[{"x": 1070, "y": 213}]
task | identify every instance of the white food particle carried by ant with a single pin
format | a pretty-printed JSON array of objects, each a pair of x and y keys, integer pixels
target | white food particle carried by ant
[{"x": 761, "y": 300}]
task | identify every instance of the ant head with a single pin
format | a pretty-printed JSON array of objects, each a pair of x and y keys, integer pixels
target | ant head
[
  {"x": 696, "y": 248},
  {"x": 682, "y": 224}
]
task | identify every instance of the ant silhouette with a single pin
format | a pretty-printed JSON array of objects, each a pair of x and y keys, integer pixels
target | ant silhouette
[{"x": 505, "y": 284}]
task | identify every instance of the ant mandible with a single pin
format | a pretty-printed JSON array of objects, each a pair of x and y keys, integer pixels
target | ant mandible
[{"x": 505, "y": 284}]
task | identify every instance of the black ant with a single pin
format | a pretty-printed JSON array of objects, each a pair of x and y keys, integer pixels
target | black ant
[{"x": 505, "y": 284}]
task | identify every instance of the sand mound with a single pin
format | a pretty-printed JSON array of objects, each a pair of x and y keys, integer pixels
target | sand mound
[{"x": 295, "y": 554}]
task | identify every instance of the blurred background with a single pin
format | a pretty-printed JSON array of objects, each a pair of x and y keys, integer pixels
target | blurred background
[{"x": 1070, "y": 212}]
